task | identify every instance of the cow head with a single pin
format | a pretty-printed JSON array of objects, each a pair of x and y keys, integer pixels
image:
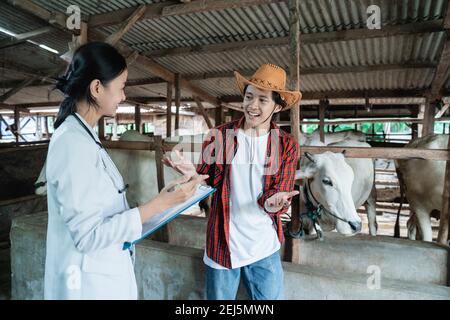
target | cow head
[{"x": 329, "y": 179}]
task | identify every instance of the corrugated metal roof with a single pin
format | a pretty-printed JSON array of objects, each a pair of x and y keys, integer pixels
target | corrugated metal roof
[
  {"x": 361, "y": 52},
  {"x": 269, "y": 21},
  {"x": 89, "y": 7}
]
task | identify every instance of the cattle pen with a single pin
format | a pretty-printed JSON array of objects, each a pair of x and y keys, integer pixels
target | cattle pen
[{"x": 380, "y": 68}]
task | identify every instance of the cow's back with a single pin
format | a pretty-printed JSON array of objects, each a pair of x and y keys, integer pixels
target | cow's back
[{"x": 424, "y": 179}]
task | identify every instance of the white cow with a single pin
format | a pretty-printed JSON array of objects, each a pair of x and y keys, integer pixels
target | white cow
[
  {"x": 312, "y": 139},
  {"x": 423, "y": 182},
  {"x": 340, "y": 185},
  {"x": 138, "y": 169}
]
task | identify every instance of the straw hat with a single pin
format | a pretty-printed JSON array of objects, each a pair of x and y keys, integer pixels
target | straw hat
[{"x": 270, "y": 77}]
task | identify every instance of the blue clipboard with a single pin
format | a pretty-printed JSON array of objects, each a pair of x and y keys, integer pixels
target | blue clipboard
[{"x": 165, "y": 217}]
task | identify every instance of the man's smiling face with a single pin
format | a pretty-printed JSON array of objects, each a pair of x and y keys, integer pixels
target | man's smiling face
[{"x": 258, "y": 105}]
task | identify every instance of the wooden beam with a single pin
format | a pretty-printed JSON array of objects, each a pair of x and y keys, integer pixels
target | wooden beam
[
  {"x": 21, "y": 38},
  {"x": 442, "y": 69},
  {"x": 211, "y": 5},
  {"x": 303, "y": 71},
  {"x": 126, "y": 25},
  {"x": 152, "y": 11},
  {"x": 428, "y": 119},
  {"x": 171, "y": 8},
  {"x": 137, "y": 118},
  {"x": 163, "y": 233},
  {"x": 382, "y": 153},
  {"x": 218, "y": 116},
  {"x": 442, "y": 111},
  {"x": 16, "y": 124},
  {"x": 177, "y": 101},
  {"x": 293, "y": 245},
  {"x": 101, "y": 128},
  {"x": 169, "y": 110},
  {"x": 203, "y": 112},
  {"x": 358, "y": 120},
  {"x": 307, "y": 39},
  {"x": 15, "y": 90},
  {"x": 385, "y": 93},
  {"x": 27, "y": 71},
  {"x": 322, "y": 108},
  {"x": 445, "y": 212},
  {"x": 52, "y": 17}
]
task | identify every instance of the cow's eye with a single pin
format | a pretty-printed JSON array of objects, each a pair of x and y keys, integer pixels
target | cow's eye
[{"x": 327, "y": 182}]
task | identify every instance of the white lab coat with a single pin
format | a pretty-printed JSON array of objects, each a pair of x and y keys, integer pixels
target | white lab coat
[{"x": 88, "y": 220}]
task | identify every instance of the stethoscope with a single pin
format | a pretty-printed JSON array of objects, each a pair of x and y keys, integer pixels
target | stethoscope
[{"x": 115, "y": 176}]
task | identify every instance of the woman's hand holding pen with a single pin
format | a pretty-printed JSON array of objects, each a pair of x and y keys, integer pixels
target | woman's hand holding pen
[{"x": 174, "y": 193}]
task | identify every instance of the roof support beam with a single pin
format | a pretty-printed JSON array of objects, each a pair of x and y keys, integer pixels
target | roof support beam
[
  {"x": 305, "y": 71},
  {"x": 21, "y": 38},
  {"x": 126, "y": 26},
  {"x": 442, "y": 69},
  {"x": 311, "y": 38},
  {"x": 172, "y": 8},
  {"x": 15, "y": 90}
]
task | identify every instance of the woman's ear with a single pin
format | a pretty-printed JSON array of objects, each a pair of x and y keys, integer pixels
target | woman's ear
[
  {"x": 95, "y": 88},
  {"x": 278, "y": 108}
]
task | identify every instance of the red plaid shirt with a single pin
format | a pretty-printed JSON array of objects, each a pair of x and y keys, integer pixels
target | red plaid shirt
[{"x": 218, "y": 151}]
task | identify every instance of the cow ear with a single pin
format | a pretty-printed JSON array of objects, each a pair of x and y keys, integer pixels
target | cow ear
[
  {"x": 306, "y": 172},
  {"x": 310, "y": 157}
]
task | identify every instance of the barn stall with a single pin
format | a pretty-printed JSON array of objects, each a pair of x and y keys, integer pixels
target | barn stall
[{"x": 183, "y": 54}]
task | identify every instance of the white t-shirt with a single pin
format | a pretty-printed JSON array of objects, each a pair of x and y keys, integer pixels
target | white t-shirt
[{"x": 252, "y": 234}]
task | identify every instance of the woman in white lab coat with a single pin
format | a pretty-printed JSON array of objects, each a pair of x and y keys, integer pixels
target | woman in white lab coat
[{"x": 88, "y": 215}]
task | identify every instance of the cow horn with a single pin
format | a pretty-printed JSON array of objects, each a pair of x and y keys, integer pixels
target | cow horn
[
  {"x": 344, "y": 151},
  {"x": 310, "y": 157}
]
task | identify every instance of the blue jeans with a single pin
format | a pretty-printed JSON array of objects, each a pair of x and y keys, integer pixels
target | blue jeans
[{"x": 263, "y": 280}]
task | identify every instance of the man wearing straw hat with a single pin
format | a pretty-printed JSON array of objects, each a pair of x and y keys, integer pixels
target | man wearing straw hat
[{"x": 252, "y": 163}]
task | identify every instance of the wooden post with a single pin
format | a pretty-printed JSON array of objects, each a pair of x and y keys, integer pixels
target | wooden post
[
  {"x": 16, "y": 123},
  {"x": 428, "y": 118},
  {"x": 415, "y": 126},
  {"x": 137, "y": 118},
  {"x": 292, "y": 245},
  {"x": 169, "y": 110},
  {"x": 443, "y": 234},
  {"x": 322, "y": 107},
  {"x": 101, "y": 128},
  {"x": 162, "y": 234},
  {"x": 177, "y": 101},
  {"x": 114, "y": 128},
  {"x": 203, "y": 112},
  {"x": 38, "y": 128},
  {"x": 47, "y": 134},
  {"x": 218, "y": 115}
]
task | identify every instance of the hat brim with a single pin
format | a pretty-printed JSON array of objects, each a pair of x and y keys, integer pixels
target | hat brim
[{"x": 291, "y": 97}]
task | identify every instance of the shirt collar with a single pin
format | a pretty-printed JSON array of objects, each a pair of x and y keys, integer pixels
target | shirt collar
[
  {"x": 240, "y": 123},
  {"x": 88, "y": 126}
]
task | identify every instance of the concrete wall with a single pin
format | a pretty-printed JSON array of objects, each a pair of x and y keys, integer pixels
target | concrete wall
[
  {"x": 167, "y": 271},
  {"x": 9, "y": 210},
  {"x": 398, "y": 259}
]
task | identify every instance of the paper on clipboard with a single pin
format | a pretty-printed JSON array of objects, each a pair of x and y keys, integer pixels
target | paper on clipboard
[{"x": 166, "y": 216}]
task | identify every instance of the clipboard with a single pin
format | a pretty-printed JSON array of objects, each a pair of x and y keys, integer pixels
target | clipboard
[{"x": 168, "y": 215}]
